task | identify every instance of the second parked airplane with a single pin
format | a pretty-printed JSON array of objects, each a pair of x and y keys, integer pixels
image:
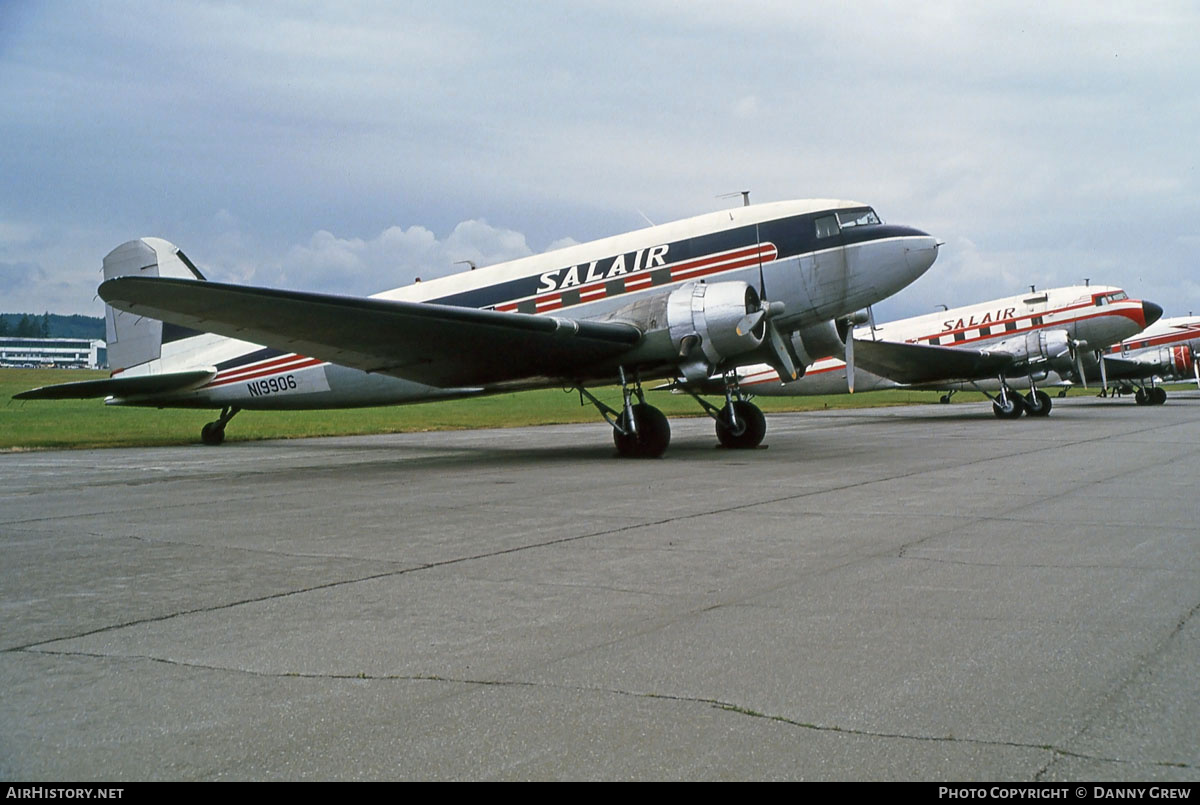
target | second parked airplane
[{"x": 987, "y": 346}]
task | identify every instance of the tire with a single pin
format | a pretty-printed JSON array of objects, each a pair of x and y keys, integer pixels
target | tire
[
  {"x": 1038, "y": 404},
  {"x": 753, "y": 426},
  {"x": 212, "y": 434},
  {"x": 652, "y": 437},
  {"x": 1015, "y": 409}
]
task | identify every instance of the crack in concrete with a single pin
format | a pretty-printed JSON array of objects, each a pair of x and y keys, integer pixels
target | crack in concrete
[
  {"x": 1140, "y": 668},
  {"x": 1057, "y": 752}
]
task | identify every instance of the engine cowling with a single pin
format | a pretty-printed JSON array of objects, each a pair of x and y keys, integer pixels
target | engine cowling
[
  {"x": 1173, "y": 362},
  {"x": 702, "y": 320},
  {"x": 1050, "y": 346},
  {"x": 824, "y": 340}
]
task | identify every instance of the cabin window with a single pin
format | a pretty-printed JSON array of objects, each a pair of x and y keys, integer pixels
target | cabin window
[
  {"x": 1010, "y": 325},
  {"x": 985, "y": 331},
  {"x": 827, "y": 227},
  {"x": 849, "y": 218},
  {"x": 960, "y": 336}
]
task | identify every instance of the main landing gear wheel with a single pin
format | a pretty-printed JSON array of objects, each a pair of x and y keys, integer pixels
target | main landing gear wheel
[
  {"x": 1158, "y": 395},
  {"x": 1037, "y": 403},
  {"x": 1012, "y": 410},
  {"x": 652, "y": 433},
  {"x": 750, "y": 428},
  {"x": 1141, "y": 397}
]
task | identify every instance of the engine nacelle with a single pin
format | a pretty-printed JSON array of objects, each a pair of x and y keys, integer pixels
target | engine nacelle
[
  {"x": 702, "y": 320},
  {"x": 1171, "y": 362},
  {"x": 822, "y": 340},
  {"x": 1050, "y": 346}
]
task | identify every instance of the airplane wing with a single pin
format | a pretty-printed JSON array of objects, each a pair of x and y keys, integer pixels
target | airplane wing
[
  {"x": 120, "y": 386},
  {"x": 915, "y": 364},
  {"x": 439, "y": 345},
  {"x": 1121, "y": 368}
]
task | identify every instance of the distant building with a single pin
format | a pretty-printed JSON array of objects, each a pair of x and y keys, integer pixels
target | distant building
[{"x": 60, "y": 353}]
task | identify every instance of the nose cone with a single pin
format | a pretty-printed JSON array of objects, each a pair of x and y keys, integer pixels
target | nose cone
[
  {"x": 922, "y": 250},
  {"x": 1151, "y": 312}
]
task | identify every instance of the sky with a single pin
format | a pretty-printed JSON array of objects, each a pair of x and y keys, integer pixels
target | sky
[{"x": 351, "y": 147}]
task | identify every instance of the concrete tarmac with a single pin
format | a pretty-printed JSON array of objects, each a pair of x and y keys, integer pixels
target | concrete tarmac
[{"x": 918, "y": 593}]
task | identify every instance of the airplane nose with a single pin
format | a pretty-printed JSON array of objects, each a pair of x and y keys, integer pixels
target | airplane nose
[
  {"x": 1151, "y": 312},
  {"x": 922, "y": 251}
]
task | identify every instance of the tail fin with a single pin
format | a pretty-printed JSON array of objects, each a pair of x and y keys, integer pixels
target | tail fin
[{"x": 134, "y": 339}]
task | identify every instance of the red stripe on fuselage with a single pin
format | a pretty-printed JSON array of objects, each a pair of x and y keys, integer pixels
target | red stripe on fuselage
[{"x": 274, "y": 367}]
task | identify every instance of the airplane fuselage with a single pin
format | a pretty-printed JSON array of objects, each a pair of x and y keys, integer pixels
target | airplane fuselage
[{"x": 818, "y": 273}]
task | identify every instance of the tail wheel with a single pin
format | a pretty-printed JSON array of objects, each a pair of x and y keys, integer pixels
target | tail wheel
[
  {"x": 212, "y": 434},
  {"x": 750, "y": 428},
  {"x": 1038, "y": 403},
  {"x": 652, "y": 433}
]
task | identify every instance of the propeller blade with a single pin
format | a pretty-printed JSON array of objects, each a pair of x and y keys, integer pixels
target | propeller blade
[
  {"x": 1103, "y": 370},
  {"x": 750, "y": 321},
  {"x": 1196, "y": 368},
  {"x": 784, "y": 366},
  {"x": 850, "y": 361},
  {"x": 1079, "y": 366}
]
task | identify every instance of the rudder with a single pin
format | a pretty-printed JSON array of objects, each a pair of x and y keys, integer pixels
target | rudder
[{"x": 134, "y": 339}]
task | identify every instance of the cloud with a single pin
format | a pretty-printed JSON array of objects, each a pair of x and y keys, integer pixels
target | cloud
[{"x": 396, "y": 256}]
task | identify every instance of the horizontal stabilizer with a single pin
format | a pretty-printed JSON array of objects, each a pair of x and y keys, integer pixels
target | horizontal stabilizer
[
  {"x": 120, "y": 386},
  {"x": 440, "y": 345},
  {"x": 914, "y": 364}
]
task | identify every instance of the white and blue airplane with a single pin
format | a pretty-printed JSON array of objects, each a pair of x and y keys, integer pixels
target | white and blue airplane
[
  {"x": 1029, "y": 338},
  {"x": 753, "y": 284}
]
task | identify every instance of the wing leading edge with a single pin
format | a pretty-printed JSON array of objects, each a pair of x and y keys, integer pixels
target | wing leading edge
[{"x": 439, "y": 345}]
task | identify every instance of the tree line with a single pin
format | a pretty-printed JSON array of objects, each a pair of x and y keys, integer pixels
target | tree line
[{"x": 50, "y": 325}]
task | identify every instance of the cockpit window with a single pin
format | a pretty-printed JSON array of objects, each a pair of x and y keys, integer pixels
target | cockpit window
[
  {"x": 849, "y": 218},
  {"x": 827, "y": 227},
  {"x": 1103, "y": 299}
]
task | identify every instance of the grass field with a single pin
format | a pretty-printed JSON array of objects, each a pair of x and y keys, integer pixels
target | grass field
[{"x": 57, "y": 424}]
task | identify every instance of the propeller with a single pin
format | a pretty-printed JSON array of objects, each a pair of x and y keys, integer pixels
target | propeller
[
  {"x": 849, "y": 322},
  {"x": 1103, "y": 370},
  {"x": 850, "y": 360},
  {"x": 779, "y": 353},
  {"x": 1195, "y": 367},
  {"x": 1077, "y": 347}
]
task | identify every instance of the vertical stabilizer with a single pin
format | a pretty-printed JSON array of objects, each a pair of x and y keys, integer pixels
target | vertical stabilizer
[{"x": 134, "y": 339}]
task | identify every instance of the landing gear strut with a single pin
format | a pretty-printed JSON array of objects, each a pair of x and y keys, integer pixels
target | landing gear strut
[
  {"x": 214, "y": 432},
  {"x": 639, "y": 430},
  {"x": 1008, "y": 404}
]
